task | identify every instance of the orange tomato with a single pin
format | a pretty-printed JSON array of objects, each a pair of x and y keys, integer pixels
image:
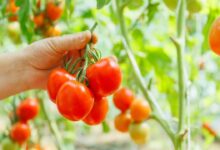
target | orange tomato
[
  {"x": 52, "y": 31},
  {"x": 122, "y": 122},
  {"x": 140, "y": 110},
  {"x": 214, "y": 37},
  {"x": 39, "y": 20},
  {"x": 12, "y": 9}
]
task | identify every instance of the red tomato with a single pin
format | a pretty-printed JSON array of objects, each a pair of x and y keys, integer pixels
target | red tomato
[
  {"x": 39, "y": 20},
  {"x": 74, "y": 100},
  {"x": 54, "y": 11},
  {"x": 56, "y": 79},
  {"x": 214, "y": 37},
  {"x": 104, "y": 77},
  {"x": 12, "y": 9},
  {"x": 98, "y": 112},
  {"x": 122, "y": 122},
  {"x": 140, "y": 110},
  {"x": 20, "y": 132},
  {"x": 28, "y": 109},
  {"x": 123, "y": 99}
]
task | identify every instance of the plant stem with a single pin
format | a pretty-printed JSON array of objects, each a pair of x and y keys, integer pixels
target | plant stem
[
  {"x": 52, "y": 125},
  {"x": 152, "y": 102},
  {"x": 180, "y": 46}
]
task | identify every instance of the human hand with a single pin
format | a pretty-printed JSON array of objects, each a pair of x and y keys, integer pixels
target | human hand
[{"x": 44, "y": 55}]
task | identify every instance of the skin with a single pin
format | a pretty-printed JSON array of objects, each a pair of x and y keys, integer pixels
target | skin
[{"x": 30, "y": 68}]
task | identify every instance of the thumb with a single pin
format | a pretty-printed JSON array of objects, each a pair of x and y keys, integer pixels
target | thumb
[{"x": 69, "y": 42}]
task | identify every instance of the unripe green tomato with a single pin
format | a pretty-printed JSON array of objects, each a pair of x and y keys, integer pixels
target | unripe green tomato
[
  {"x": 135, "y": 4},
  {"x": 8, "y": 144},
  {"x": 14, "y": 32},
  {"x": 171, "y": 4},
  {"x": 139, "y": 132},
  {"x": 194, "y": 6}
]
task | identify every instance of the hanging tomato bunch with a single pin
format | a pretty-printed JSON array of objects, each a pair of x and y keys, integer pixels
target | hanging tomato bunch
[
  {"x": 134, "y": 113},
  {"x": 80, "y": 89},
  {"x": 45, "y": 17},
  {"x": 20, "y": 131}
]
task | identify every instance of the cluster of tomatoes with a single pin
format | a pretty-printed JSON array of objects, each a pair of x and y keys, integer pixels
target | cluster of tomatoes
[
  {"x": 81, "y": 94},
  {"x": 45, "y": 17},
  {"x": 133, "y": 115},
  {"x": 20, "y": 131}
]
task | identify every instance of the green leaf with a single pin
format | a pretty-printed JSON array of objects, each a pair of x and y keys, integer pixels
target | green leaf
[
  {"x": 102, "y": 3},
  {"x": 105, "y": 127}
]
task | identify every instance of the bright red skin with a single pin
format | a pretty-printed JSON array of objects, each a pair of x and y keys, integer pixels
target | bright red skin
[
  {"x": 56, "y": 79},
  {"x": 54, "y": 11},
  {"x": 98, "y": 112},
  {"x": 20, "y": 132},
  {"x": 28, "y": 109},
  {"x": 214, "y": 37},
  {"x": 74, "y": 100},
  {"x": 104, "y": 77},
  {"x": 123, "y": 99}
]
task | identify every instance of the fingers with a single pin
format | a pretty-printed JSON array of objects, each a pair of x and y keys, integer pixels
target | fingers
[{"x": 69, "y": 42}]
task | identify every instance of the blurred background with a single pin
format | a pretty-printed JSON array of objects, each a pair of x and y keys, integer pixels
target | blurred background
[{"x": 150, "y": 25}]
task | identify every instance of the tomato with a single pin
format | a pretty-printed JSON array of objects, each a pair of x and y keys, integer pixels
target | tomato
[
  {"x": 7, "y": 144},
  {"x": 39, "y": 20},
  {"x": 74, "y": 100},
  {"x": 171, "y": 4},
  {"x": 104, "y": 77},
  {"x": 122, "y": 122},
  {"x": 214, "y": 37},
  {"x": 12, "y": 9},
  {"x": 194, "y": 6},
  {"x": 28, "y": 109},
  {"x": 140, "y": 110},
  {"x": 98, "y": 112},
  {"x": 52, "y": 31},
  {"x": 56, "y": 79},
  {"x": 53, "y": 11},
  {"x": 14, "y": 32},
  {"x": 20, "y": 132},
  {"x": 123, "y": 99},
  {"x": 139, "y": 132}
]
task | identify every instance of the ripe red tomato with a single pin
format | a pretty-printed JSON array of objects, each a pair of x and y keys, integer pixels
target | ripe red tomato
[
  {"x": 53, "y": 11},
  {"x": 140, "y": 110},
  {"x": 56, "y": 79},
  {"x": 98, "y": 112},
  {"x": 123, "y": 99},
  {"x": 104, "y": 77},
  {"x": 214, "y": 37},
  {"x": 74, "y": 100},
  {"x": 122, "y": 122},
  {"x": 139, "y": 132},
  {"x": 28, "y": 109},
  {"x": 20, "y": 132}
]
